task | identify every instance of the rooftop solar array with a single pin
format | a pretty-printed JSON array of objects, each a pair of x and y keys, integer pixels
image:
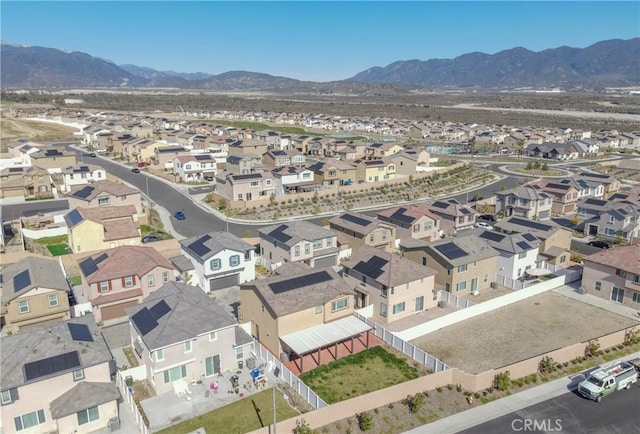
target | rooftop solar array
[
  {"x": 51, "y": 365},
  {"x": 375, "y": 145},
  {"x": 465, "y": 211},
  {"x": 160, "y": 309},
  {"x": 441, "y": 205},
  {"x": 84, "y": 192},
  {"x": 147, "y": 319},
  {"x": 493, "y": 236},
  {"x": 372, "y": 268},
  {"x": 558, "y": 186},
  {"x": 80, "y": 332},
  {"x": 400, "y": 215},
  {"x": 529, "y": 224},
  {"x": 300, "y": 282},
  {"x": 21, "y": 280},
  {"x": 451, "y": 251},
  {"x": 529, "y": 237},
  {"x": 90, "y": 265},
  {"x": 248, "y": 176},
  {"x": 101, "y": 258},
  {"x": 74, "y": 217},
  {"x": 279, "y": 235},
  {"x": 203, "y": 157},
  {"x": 524, "y": 246},
  {"x": 52, "y": 152},
  {"x": 355, "y": 219},
  {"x": 198, "y": 246},
  {"x": 278, "y": 153},
  {"x": 597, "y": 202},
  {"x": 594, "y": 175},
  {"x": 15, "y": 169},
  {"x": 373, "y": 162}
]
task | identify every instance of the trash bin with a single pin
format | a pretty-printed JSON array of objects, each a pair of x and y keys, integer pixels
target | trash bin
[
  {"x": 251, "y": 363},
  {"x": 240, "y": 364}
]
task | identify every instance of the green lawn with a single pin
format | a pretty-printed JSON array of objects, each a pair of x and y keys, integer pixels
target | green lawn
[
  {"x": 59, "y": 239},
  {"x": 258, "y": 126},
  {"x": 361, "y": 373},
  {"x": 76, "y": 280},
  {"x": 239, "y": 417},
  {"x": 58, "y": 249}
]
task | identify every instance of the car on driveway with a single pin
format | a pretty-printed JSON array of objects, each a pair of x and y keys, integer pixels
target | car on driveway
[
  {"x": 143, "y": 164},
  {"x": 179, "y": 215},
  {"x": 484, "y": 225},
  {"x": 135, "y": 170},
  {"x": 487, "y": 217},
  {"x": 151, "y": 238},
  {"x": 600, "y": 244}
]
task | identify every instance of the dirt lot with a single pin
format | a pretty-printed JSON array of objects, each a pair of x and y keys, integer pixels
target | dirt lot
[
  {"x": 13, "y": 129},
  {"x": 507, "y": 335}
]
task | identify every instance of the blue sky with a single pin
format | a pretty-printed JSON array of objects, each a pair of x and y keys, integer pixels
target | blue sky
[{"x": 317, "y": 40}]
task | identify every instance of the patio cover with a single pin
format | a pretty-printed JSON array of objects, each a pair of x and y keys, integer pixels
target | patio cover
[{"x": 323, "y": 335}]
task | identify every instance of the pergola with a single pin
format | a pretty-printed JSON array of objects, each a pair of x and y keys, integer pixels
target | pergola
[{"x": 321, "y": 336}]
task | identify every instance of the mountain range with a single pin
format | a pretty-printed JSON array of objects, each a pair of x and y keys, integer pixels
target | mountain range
[{"x": 613, "y": 63}]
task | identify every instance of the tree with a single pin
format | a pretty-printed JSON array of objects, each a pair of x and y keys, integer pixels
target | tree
[
  {"x": 502, "y": 381},
  {"x": 529, "y": 165},
  {"x": 545, "y": 167},
  {"x": 222, "y": 204}
]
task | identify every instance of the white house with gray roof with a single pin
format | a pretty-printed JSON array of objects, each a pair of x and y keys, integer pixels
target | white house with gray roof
[
  {"x": 220, "y": 260},
  {"x": 57, "y": 378},
  {"x": 179, "y": 333}
]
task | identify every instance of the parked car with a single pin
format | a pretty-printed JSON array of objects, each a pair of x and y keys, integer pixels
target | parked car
[
  {"x": 600, "y": 244},
  {"x": 487, "y": 217},
  {"x": 143, "y": 164},
  {"x": 135, "y": 170},
  {"x": 179, "y": 215},
  {"x": 93, "y": 154},
  {"x": 151, "y": 238},
  {"x": 484, "y": 225}
]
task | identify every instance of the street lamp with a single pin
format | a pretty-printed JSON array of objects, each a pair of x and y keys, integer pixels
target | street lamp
[{"x": 147, "y": 185}]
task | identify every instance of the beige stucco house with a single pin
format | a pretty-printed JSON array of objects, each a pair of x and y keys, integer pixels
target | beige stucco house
[
  {"x": 614, "y": 275},
  {"x": 93, "y": 229}
]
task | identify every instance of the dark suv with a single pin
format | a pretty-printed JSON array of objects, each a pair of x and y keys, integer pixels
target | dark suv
[
  {"x": 487, "y": 218},
  {"x": 600, "y": 244}
]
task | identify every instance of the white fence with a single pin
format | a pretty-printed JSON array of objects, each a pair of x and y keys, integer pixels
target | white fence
[
  {"x": 406, "y": 348},
  {"x": 42, "y": 233},
  {"x": 138, "y": 373},
  {"x": 454, "y": 300},
  {"x": 127, "y": 397},
  {"x": 285, "y": 374}
]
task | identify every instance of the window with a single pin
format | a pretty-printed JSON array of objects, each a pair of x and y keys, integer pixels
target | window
[
  {"x": 329, "y": 242},
  {"x": 128, "y": 281},
  {"x": 6, "y": 396},
  {"x": 461, "y": 285},
  {"x": 103, "y": 286},
  {"x": 621, "y": 273},
  {"x": 103, "y": 201},
  {"x": 636, "y": 297},
  {"x": 78, "y": 375},
  {"x": 53, "y": 300},
  {"x": 611, "y": 219},
  {"x": 239, "y": 353},
  {"x": 29, "y": 420},
  {"x": 187, "y": 167},
  {"x": 159, "y": 355},
  {"x": 307, "y": 249},
  {"x": 598, "y": 286},
  {"x": 174, "y": 374},
  {"x": 617, "y": 295},
  {"x": 636, "y": 279},
  {"x": 247, "y": 255},
  {"x": 522, "y": 255},
  {"x": 461, "y": 219},
  {"x": 215, "y": 264},
  {"x": 428, "y": 225},
  {"x": 563, "y": 258},
  {"x": 255, "y": 183},
  {"x": 383, "y": 309},
  {"x": 318, "y": 309},
  {"x": 398, "y": 308},
  {"x": 23, "y": 306},
  {"x": 187, "y": 347},
  {"x": 234, "y": 260},
  {"x": 610, "y": 232},
  {"x": 385, "y": 291},
  {"x": 150, "y": 281},
  {"x": 462, "y": 268},
  {"x": 317, "y": 244},
  {"x": 213, "y": 336},
  {"x": 296, "y": 251},
  {"x": 384, "y": 236},
  {"x": 486, "y": 277},
  {"x": 339, "y": 304},
  {"x": 371, "y": 238},
  {"x": 165, "y": 276},
  {"x": 424, "y": 260},
  {"x": 416, "y": 228}
]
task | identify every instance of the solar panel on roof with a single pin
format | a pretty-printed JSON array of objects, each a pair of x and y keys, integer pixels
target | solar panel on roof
[
  {"x": 529, "y": 224},
  {"x": 15, "y": 169},
  {"x": 100, "y": 258},
  {"x": 465, "y": 211},
  {"x": 558, "y": 186},
  {"x": 52, "y": 152},
  {"x": 594, "y": 175},
  {"x": 597, "y": 202},
  {"x": 74, "y": 217},
  {"x": 300, "y": 282},
  {"x": 451, "y": 251},
  {"x": 493, "y": 236},
  {"x": 144, "y": 321},
  {"x": 355, "y": 219},
  {"x": 198, "y": 246},
  {"x": 441, "y": 205},
  {"x": 400, "y": 215},
  {"x": 80, "y": 332},
  {"x": 21, "y": 280},
  {"x": 529, "y": 237},
  {"x": 84, "y": 192},
  {"x": 279, "y": 235},
  {"x": 248, "y": 176},
  {"x": 159, "y": 309},
  {"x": 203, "y": 157},
  {"x": 371, "y": 268},
  {"x": 88, "y": 267},
  {"x": 523, "y": 245},
  {"x": 51, "y": 365}
]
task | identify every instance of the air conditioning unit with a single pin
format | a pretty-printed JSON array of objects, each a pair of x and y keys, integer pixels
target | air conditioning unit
[
  {"x": 442, "y": 304},
  {"x": 476, "y": 292}
]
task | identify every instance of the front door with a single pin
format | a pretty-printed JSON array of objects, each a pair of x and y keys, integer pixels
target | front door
[
  {"x": 474, "y": 284},
  {"x": 617, "y": 295},
  {"x": 419, "y": 303},
  {"x": 211, "y": 365}
]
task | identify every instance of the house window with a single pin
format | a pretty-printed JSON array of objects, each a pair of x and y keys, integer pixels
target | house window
[
  {"x": 339, "y": 304},
  {"x": 462, "y": 268},
  {"x": 159, "y": 355},
  {"x": 636, "y": 279},
  {"x": 318, "y": 309},
  {"x": 428, "y": 225},
  {"x": 598, "y": 286},
  {"x": 53, "y": 300},
  {"x": 307, "y": 249},
  {"x": 611, "y": 219},
  {"x": 371, "y": 238},
  {"x": 385, "y": 291},
  {"x": 128, "y": 281},
  {"x": 103, "y": 201},
  {"x": 239, "y": 353},
  {"x": 255, "y": 183},
  {"x": 461, "y": 285},
  {"x": 296, "y": 251},
  {"x": 329, "y": 242},
  {"x": 215, "y": 264},
  {"x": 187, "y": 347},
  {"x": 610, "y": 232},
  {"x": 5, "y": 397},
  {"x": 384, "y": 236},
  {"x": 617, "y": 295},
  {"x": 398, "y": 308},
  {"x": 103, "y": 286},
  {"x": 174, "y": 374},
  {"x": 78, "y": 375},
  {"x": 621, "y": 273},
  {"x": 636, "y": 297},
  {"x": 486, "y": 277},
  {"x": 213, "y": 336},
  {"x": 317, "y": 244},
  {"x": 416, "y": 228},
  {"x": 383, "y": 309},
  {"x": 563, "y": 258},
  {"x": 150, "y": 281},
  {"x": 461, "y": 219},
  {"x": 29, "y": 420},
  {"x": 234, "y": 260},
  {"x": 23, "y": 306}
]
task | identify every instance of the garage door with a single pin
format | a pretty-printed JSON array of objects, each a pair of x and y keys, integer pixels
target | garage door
[
  {"x": 329, "y": 261},
  {"x": 116, "y": 311},
  {"x": 223, "y": 282},
  {"x": 544, "y": 215}
]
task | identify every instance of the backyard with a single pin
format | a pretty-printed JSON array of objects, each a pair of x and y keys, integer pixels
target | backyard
[{"x": 355, "y": 375}]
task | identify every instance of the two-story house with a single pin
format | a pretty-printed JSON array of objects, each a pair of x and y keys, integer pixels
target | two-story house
[
  {"x": 298, "y": 241},
  {"x": 410, "y": 161},
  {"x": 332, "y": 172},
  {"x": 57, "y": 378},
  {"x": 252, "y": 186},
  {"x": 412, "y": 221},
  {"x": 244, "y": 164},
  {"x": 564, "y": 195},
  {"x": 453, "y": 215},
  {"x": 52, "y": 159},
  {"x": 102, "y": 228},
  {"x": 27, "y": 182},
  {"x": 220, "y": 259},
  {"x": 195, "y": 167},
  {"x": 291, "y": 179},
  {"x": 524, "y": 201},
  {"x": 610, "y": 183},
  {"x": 618, "y": 222},
  {"x": 248, "y": 146},
  {"x": 374, "y": 170},
  {"x": 163, "y": 157},
  {"x": 181, "y": 334},
  {"x": 34, "y": 292},
  {"x": 378, "y": 151},
  {"x": 121, "y": 277},
  {"x": 105, "y": 193},
  {"x": 81, "y": 174},
  {"x": 396, "y": 286},
  {"x": 589, "y": 207},
  {"x": 614, "y": 274},
  {"x": 287, "y": 157},
  {"x": 355, "y": 230}
]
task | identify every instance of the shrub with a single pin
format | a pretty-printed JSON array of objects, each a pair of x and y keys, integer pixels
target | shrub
[
  {"x": 546, "y": 365},
  {"x": 365, "y": 421},
  {"x": 592, "y": 348},
  {"x": 450, "y": 386},
  {"x": 416, "y": 402},
  {"x": 631, "y": 337},
  {"x": 476, "y": 395},
  {"x": 439, "y": 389},
  {"x": 302, "y": 427},
  {"x": 459, "y": 387},
  {"x": 502, "y": 381}
]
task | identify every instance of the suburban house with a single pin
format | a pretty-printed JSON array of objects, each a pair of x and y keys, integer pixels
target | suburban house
[
  {"x": 52, "y": 159},
  {"x": 163, "y": 157},
  {"x": 463, "y": 263},
  {"x": 27, "y": 182},
  {"x": 286, "y": 310},
  {"x": 57, "y": 378},
  {"x": 378, "y": 151},
  {"x": 410, "y": 161},
  {"x": 555, "y": 241},
  {"x": 34, "y": 292},
  {"x": 524, "y": 201},
  {"x": 374, "y": 170},
  {"x": 102, "y": 228},
  {"x": 22, "y": 149},
  {"x": 181, "y": 334},
  {"x": 220, "y": 260},
  {"x": 589, "y": 207},
  {"x": 298, "y": 241},
  {"x": 614, "y": 274},
  {"x": 453, "y": 215},
  {"x": 395, "y": 286},
  {"x": 355, "y": 230},
  {"x": 244, "y": 164},
  {"x": 121, "y": 277},
  {"x": 610, "y": 183},
  {"x": 105, "y": 193},
  {"x": 412, "y": 221},
  {"x": 252, "y": 186},
  {"x": 292, "y": 179},
  {"x": 618, "y": 222},
  {"x": 81, "y": 174},
  {"x": 195, "y": 167},
  {"x": 555, "y": 151},
  {"x": 287, "y": 157},
  {"x": 332, "y": 172},
  {"x": 565, "y": 195},
  {"x": 248, "y": 146},
  {"x": 142, "y": 150}
]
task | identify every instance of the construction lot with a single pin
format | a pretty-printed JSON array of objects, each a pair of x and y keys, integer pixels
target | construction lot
[{"x": 519, "y": 331}]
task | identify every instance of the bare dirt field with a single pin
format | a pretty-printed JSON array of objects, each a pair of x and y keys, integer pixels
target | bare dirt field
[
  {"x": 521, "y": 330},
  {"x": 13, "y": 129}
]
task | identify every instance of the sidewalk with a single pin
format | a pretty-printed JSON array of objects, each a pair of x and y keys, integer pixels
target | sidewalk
[{"x": 495, "y": 409}]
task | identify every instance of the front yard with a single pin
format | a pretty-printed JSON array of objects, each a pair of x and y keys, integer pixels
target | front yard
[{"x": 355, "y": 375}]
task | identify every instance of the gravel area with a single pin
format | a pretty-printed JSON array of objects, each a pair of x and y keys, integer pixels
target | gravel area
[{"x": 521, "y": 330}]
